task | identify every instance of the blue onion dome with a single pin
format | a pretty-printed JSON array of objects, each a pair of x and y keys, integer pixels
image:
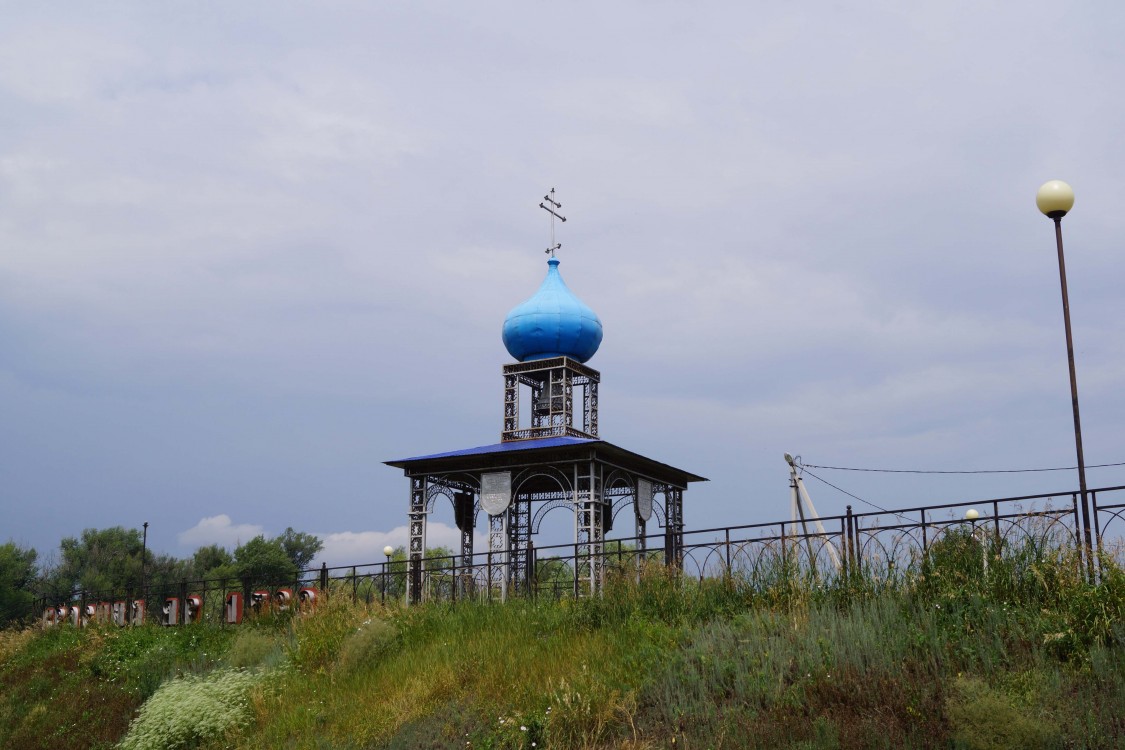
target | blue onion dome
[{"x": 553, "y": 323}]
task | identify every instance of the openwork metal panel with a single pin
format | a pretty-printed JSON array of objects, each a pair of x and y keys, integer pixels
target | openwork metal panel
[
  {"x": 498, "y": 555},
  {"x": 511, "y": 403},
  {"x": 519, "y": 537},
  {"x": 417, "y": 549},
  {"x": 590, "y": 518},
  {"x": 551, "y": 383}
]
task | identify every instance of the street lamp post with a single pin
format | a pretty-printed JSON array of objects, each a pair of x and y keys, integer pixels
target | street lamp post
[
  {"x": 388, "y": 551},
  {"x": 1055, "y": 199},
  {"x": 971, "y": 515},
  {"x": 144, "y": 555}
]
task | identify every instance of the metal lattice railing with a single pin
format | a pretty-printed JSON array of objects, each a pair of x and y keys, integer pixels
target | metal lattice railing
[{"x": 879, "y": 543}]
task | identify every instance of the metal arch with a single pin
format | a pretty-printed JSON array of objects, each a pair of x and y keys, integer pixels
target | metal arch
[
  {"x": 524, "y": 476},
  {"x": 1111, "y": 514},
  {"x": 690, "y": 562},
  {"x": 547, "y": 508},
  {"x": 814, "y": 552},
  {"x": 715, "y": 554},
  {"x": 627, "y": 480},
  {"x": 1040, "y": 529},
  {"x": 755, "y": 558},
  {"x": 658, "y": 511},
  {"x": 622, "y": 502},
  {"x": 890, "y": 559},
  {"x": 432, "y": 493},
  {"x": 469, "y": 481}
]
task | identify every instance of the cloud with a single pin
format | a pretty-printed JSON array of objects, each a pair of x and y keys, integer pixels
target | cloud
[
  {"x": 219, "y": 530},
  {"x": 362, "y": 547}
]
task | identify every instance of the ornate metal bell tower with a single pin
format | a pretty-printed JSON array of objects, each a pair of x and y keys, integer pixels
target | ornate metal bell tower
[{"x": 551, "y": 386}]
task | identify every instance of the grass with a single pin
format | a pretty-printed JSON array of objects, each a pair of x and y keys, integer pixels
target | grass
[{"x": 977, "y": 646}]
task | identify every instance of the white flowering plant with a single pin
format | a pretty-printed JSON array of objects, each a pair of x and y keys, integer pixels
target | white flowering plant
[{"x": 191, "y": 709}]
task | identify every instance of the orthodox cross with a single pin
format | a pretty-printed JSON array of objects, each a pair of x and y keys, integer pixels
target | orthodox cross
[{"x": 551, "y": 206}]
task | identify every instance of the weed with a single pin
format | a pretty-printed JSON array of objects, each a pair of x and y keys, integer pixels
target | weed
[
  {"x": 190, "y": 710},
  {"x": 316, "y": 640},
  {"x": 254, "y": 648},
  {"x": 986, "y": 719},
  {"x": 362, "y": 647}
]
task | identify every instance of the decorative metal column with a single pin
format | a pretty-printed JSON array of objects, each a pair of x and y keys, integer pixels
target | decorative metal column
[
  {"x": 498, "y": 554},
  {"x": 675, "y": 498},
  {"x": 642, "y": 511},
  {"x": 589, "y": 564},
  {"x": 417, "y": 551},
  {"x": 519, "y": 537}
]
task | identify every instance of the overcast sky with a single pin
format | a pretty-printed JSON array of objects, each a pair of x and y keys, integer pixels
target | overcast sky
[{"x": 249, "y": 251}]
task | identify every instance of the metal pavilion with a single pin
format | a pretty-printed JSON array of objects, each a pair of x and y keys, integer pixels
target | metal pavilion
[{"x": 549, "y": 457}]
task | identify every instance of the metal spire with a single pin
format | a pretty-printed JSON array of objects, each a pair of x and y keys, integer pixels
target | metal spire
[{"x": 551, "y": 209}]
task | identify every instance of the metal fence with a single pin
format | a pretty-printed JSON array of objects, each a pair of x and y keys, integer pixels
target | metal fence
[{"x": 880, "y": 542}]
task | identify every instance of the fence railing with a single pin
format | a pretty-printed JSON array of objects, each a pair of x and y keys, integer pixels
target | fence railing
[{"x": 880, "y": 542}]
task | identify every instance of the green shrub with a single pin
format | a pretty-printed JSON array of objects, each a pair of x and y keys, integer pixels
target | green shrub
[
  {"x": 189, "y": 710},
  {"x": 986, "y": 719}
]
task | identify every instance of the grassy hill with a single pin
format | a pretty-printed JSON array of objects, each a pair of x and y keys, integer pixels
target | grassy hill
[{"x": 1026, "y": 654}]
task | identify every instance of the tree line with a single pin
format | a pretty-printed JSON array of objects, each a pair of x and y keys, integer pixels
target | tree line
[{"x": 116, "y": 558}]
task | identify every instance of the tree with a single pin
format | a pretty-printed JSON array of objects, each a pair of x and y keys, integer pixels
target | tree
[
  {"x": 212, "y": 561},
  {"x": 264, "y": 561},
  {"x": 17, "y": 577},
  {"x": 300, "y": 547},
  {"x": 102, "y": 559}
]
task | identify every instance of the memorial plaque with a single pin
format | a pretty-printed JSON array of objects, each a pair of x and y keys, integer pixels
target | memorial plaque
[
  {"x": 496, "y": 492},
  {"x": 644, "y": 499}
]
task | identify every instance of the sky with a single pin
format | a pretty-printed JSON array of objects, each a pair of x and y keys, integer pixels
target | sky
[{"x": 250, "y": 251}]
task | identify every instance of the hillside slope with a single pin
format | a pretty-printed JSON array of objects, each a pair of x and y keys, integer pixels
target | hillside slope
[{"x": 1024, "y": 655}]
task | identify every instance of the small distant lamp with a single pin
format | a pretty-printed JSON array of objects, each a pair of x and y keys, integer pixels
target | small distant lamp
[
  {"x": 1055, "y": 199},
  {"x": 971, "y": 515},
  {"x": 388, "y": 551}
]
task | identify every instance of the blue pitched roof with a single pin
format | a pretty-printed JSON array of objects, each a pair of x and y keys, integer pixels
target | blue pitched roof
[
  {"x": 605, "y": 450},
  {"x": 508, "y": 447}
]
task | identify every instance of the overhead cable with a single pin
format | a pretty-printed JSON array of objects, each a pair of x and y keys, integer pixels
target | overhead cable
[{"x": 963, "y": 471}]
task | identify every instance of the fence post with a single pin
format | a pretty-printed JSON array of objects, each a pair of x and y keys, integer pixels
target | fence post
[
  {"x": 1097, "y": 526},
  {"x": 925, "y": 536},
  {"x": 727, "y": 535},
  {"x": 857, "y": 549},
  {"x": 324, "y": 578},
  {"x": 182, "y": 614},
  {"x": 529, "y": 566},
  {"x": 996, "y": 522},
  {"x": 784, "y": 552},
  {"x": 453, "y": 578},
  {"x": 575, "y": 570},
  {"x": 849, "y": 524}
]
